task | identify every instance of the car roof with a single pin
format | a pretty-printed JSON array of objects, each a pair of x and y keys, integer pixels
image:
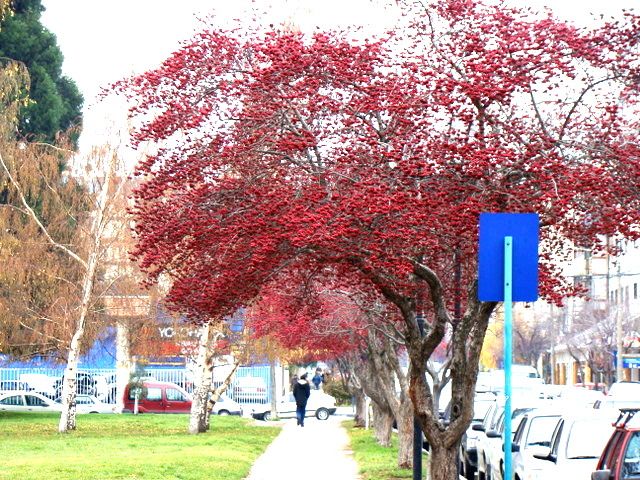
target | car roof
[{"x": 10, "y": 393}]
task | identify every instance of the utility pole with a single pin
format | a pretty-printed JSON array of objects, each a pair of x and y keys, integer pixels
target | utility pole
[{"x": 618, "y": 296}]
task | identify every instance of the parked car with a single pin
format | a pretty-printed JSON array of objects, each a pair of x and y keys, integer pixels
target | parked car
[
  {"x": 320, "y": 404},
  {"x": 158, "y": 397},
  {"x": 534, "y": 432},
  {"x": 576, "y": 444},
  {"x": 620, "y": 458},
  {"x": 226, "y": 406},
  {"x": 250, "y": 390},
  {"x": 468, "y": 453},
  {"x": 495, "y": 451},
  {"x": 90, "y": 404},
  {"x": 490, "y": 437},
  {"x": 27, "y": 402},
  {"x": 580, "y": 396},
  {"x": 621, "y": 395}
]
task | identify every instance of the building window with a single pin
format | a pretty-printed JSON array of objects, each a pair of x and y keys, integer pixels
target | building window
[{"x": 626, "y": 293}]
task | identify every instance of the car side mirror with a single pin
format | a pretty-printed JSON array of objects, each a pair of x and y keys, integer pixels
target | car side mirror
[
  {"x": 514, "y": 447},
  {"x": 478, "y": 427},
  {"x": 493, "y": 434},
  {"x": 601, "y": 475},
  {"x": 542, "y": 453}
]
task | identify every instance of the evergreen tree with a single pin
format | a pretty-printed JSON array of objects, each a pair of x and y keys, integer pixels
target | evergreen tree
[{"x": 55, "y": 101}]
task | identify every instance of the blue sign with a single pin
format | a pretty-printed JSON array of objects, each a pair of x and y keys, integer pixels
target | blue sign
[
  {"x": 523, "y": 228},
  {"x": 630, "y": 361}
]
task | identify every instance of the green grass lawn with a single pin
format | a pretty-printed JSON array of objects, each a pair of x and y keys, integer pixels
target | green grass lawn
[
  {"x": 376, "y": 462},
  {"x": 150, "y": 447}
]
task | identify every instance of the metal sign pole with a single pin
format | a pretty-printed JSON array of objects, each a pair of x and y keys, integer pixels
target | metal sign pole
[{"x": 508, "y": 332}]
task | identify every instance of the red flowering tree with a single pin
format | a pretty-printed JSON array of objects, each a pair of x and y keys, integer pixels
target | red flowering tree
[
  {"x": 371, "y": 160},
  {"x": 356, "y": 327}
]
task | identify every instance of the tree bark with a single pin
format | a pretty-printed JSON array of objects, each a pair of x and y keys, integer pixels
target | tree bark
[
  {"x": 405, "y": 437},
  {"x": 198, "y": 422},
  {"x": 360, "y": 418},
  {"x": 382, "y": 424},
  {"x": 123, "y": 362},
  {"x": 215, "y": 393},
  {"x": 443, "y": 463}
]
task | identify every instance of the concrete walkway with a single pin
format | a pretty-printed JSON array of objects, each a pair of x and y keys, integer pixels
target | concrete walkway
[{"x": 318, "y": 451}]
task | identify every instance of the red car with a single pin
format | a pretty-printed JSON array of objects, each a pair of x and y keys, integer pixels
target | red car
[
  {"x": 158, "y": 397},
  {"x": 620, "y": 459}
]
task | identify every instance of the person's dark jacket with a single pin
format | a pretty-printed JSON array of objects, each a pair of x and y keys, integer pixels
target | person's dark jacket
[{"x": 301, "y": 392}]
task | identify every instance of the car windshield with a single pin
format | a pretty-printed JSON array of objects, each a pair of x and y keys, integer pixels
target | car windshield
[
  {"x": 541, "y": 430},
  {"x": 588, "y": 438}
]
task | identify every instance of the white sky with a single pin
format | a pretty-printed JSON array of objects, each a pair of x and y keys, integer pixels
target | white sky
[{"x": 105, "y": 41}]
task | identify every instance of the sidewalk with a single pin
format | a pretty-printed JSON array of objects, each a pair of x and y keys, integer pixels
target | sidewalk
[{"x": 318, "y": 451}]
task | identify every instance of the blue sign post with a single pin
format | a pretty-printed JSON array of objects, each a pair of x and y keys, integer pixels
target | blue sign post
[{"x": 508, "y": 272}]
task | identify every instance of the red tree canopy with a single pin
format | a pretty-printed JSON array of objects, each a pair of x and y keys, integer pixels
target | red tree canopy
[{"x": 280, "y": 153}]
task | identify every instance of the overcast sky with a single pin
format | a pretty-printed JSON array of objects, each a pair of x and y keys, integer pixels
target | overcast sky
[{"x": 105, "y": 41}]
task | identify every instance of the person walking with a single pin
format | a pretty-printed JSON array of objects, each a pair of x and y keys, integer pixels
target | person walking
[
  {"x": 301, "y": 392},
  {"x": 317, "y": 379}
]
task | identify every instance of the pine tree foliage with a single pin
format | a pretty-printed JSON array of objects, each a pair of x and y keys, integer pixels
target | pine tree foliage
[{"x": 55, "y": 102}]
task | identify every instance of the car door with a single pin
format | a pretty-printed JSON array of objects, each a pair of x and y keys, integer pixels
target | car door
[
  {"x": 13, "y": 403},
  {"x": 176, "y": 401},
  {"x": 152, "y": 402},
  {"x": 287, "y": 407}
]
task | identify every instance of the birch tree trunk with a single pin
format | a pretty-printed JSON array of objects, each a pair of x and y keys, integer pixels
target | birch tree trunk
[
  {"x": 198, "y": 419},
  {"x": 68, "y": 415},
  {"x": 123, "y": 362},
  {"x": 272, "y": 389},
  {"x": 215, "y": 393}
]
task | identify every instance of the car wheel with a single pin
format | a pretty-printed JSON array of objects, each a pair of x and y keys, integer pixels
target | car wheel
[
  {"x": 267, "y": 416},
  {"x": 223, "y": 412},
  {"x": 322, "y": 414}
]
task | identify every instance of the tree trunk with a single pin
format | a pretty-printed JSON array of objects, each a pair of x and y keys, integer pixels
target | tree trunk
[
  {"x": 123, "y": 363},
  {"x": 198, "y": 421},
  {"x": 361, "y": 409},
  {"x": 405, "y": 437},
  {"x": 382, "y": 425},
  {"x": 215, "y": 393},
  {"x": 68, "y": 415},
  {"x": 443, "y": 463},
  {"x": 272, "y": 389}
]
